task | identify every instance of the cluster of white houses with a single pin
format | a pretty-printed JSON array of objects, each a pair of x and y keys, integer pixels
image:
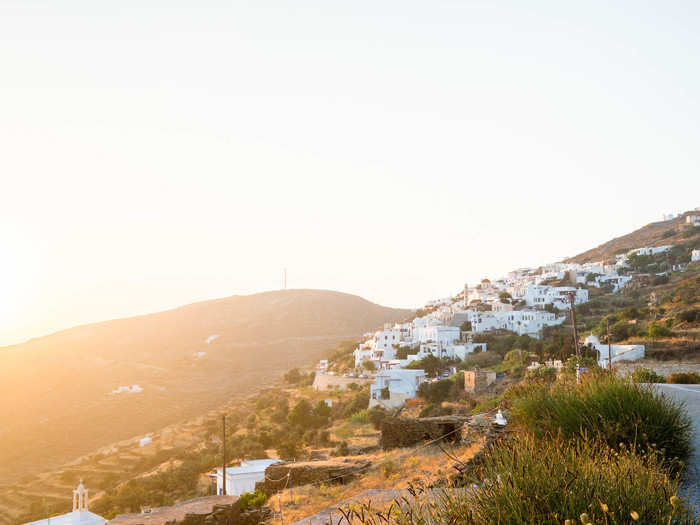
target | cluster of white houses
[{"x": 521, "y": 302}]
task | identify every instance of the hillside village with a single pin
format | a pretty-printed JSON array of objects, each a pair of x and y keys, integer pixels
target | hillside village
[{"x": 358, "y": 422}]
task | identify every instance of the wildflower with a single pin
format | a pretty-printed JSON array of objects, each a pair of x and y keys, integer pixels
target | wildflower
[
  {"x": 604, "y": 507},
  {"x": 635, "y": 515},
  {"x": 585, "y": 518},
  {"x": 568, "y": 522},
  {"x": 674, "y": 501}
]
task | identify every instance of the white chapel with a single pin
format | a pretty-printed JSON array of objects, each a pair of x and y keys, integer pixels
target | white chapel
[{"x": 80, "y": 515}]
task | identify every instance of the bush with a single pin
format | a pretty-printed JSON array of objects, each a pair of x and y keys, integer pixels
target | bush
[
  {"x": 480, "y": 360},
  {"x": 545, "y": 374},
  {"x": 435, "y": 392},
  {"x": 656, "y": 331},
  {"x": 434, "y": 410},
  {"x": 343, "y": 449},
  {"x": 532, "y": 483},
  {"x": 684, "y": 378},
  {"x": 616, "y": 411},
  {"x": 359, "y": 418},
  {"x": 689, "y": 316},
  {"x": 376, "y": 415},
  {"x": 647, "y": 375},
  {"x": 251, "y": 500}
]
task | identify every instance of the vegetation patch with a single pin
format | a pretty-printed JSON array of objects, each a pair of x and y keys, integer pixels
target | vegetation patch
[{"x": 606, "y": 408}]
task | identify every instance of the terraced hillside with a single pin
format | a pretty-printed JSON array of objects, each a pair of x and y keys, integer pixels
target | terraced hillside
[{"x": 60, "y": 395}]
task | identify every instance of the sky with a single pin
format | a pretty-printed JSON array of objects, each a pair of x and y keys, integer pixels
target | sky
[{"x": 157, "y": 153}]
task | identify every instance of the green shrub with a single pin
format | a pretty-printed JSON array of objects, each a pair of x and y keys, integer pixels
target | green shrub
[
  {"x": 434, "y": 410},
  {"x": 647, "y": 375},
  {"x": 481, "y": 360},
  {"x": 250, "y": 500},
  {"x": 343, "y": 449},
  {"x": 545, "y": 374},
  {"x": 435, "y": 392},
  {"x": 656, "y": 331},
  {"x": 688, "y": 316},
  {"x": 616, "y": 411},
  {"x": 359, "y": 418},
  {"x": 684, "y": 378},
  {"x": 532, "y": 483},
  {"x": 376, "y": 415}
]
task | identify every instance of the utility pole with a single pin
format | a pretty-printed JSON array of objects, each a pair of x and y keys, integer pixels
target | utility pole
[
  {"x": 279, "y": 502},
  {"x": 572, "y": 300},
  {"x": 607, "y": 330},
  {"x": 223, "y": 471}
]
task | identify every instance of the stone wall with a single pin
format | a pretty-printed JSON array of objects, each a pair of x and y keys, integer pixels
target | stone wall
[
  {"x": 286, "y": 475},
  {"x": 406, "y": 432},
  {"x": 664, "y": 368}
]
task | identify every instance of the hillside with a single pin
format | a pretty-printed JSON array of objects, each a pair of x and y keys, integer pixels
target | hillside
[
  {"x": 56, "y": 392},
  {"x": 659, "y": 233}
]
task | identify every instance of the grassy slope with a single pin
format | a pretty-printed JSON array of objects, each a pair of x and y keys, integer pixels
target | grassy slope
[{"x": 653, "y": 234}]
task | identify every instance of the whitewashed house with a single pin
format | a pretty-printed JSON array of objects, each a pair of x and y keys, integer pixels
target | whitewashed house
[
  {"x": 400, "y": 384},
  {"x": 693, "y": 220},
  {"x": 80, "y": 515},
  {"x": 437, "y": 333},
  {"x": 618, "y": 352},
  {"x": 242, "y": 478},
  {"x": 695, "y": 255}
]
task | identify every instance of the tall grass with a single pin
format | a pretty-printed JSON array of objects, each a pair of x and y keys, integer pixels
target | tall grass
[
  {"x": 534, "y": 482},
  {"x": 526, "y": 480},
  {"x": 610, "y": 409}
]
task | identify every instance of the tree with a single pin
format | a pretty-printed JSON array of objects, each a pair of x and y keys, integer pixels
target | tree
[
  {"x": 656, "y": 331},
  {"x": 466, "y": 326},
  {"x": 302, "y": 415},
  {"x": 436, "y": 392},
  {"x": 376, "y": 415},
  {"x": 322, "y": 413},
  {"x": 505, "y": 297},
  {"x": 431, "y": 364},
  {"x": 293, "y": 376},
  {"x": 369, "y": 366},
  {"x": 288, "y": 450},
  {"x": 402, "y": 351}
]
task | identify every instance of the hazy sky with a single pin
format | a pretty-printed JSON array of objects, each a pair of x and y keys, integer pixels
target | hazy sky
[{"x": 158, "y": 153}]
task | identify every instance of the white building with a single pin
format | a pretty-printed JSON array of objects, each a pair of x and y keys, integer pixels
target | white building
[
  {"x": 648, "y": 250},
  {"x": 444, "y": 351},
  {"x": 440, "y": 334},
  {"x": 400, "y": 384},
  {"x": 618, "y": 352},
  {"x": 522, "y": 322},
  {"x": 80, "y": 515},
  {"x": 693, "y": 220},
  {"x": 695, "y": 255},
  {"x": 557, "y": 296},
  {"x": 242, "y": 478}
]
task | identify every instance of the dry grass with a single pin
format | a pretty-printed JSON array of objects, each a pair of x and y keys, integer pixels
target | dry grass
[{"x": 387, "y": 472}]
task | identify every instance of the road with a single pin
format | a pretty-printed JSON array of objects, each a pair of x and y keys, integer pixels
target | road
[{"x": 690, "y": 395}]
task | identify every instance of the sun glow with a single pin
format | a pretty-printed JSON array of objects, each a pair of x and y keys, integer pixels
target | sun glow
[{"x": 22, "y": 270}]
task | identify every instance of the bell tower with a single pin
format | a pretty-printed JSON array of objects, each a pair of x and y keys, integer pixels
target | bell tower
[{"x": 80, "y": 498}]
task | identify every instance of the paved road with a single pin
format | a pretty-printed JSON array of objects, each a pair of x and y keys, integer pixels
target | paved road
[{"x": 690, "y": 395}]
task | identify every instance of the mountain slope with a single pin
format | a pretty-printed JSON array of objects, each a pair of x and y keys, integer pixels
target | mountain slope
[
  {"x": 56, "y": 400},
  {"x": 653, "y": 234}
]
